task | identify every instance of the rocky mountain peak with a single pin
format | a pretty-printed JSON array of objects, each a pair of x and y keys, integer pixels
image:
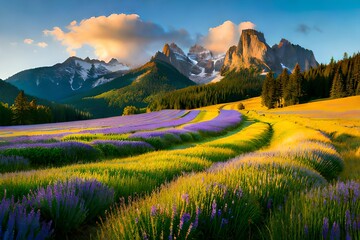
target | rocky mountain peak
[
  {"x": 253, "y": 52},
  {"x": 113, "y": 61},
  {"x": 166, "y": 50},
  {"x": 176, "y": 49}
]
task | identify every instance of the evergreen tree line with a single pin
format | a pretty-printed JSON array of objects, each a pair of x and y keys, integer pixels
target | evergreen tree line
[
  {"x": 335, "y": 80},
  {"x": 235, "y": 86},
  {"x": 24, "y": 112}
]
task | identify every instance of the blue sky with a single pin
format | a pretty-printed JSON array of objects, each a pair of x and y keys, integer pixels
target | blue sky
[{"x": 329, "y": 28}]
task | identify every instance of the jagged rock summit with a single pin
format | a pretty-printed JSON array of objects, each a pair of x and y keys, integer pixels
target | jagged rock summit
[
  {"x": 200, "y": 65},
  {"x": 253, "y": 52}
]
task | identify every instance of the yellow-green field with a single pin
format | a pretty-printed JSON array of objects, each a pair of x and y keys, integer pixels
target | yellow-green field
[{"x": 289, "y": 173}]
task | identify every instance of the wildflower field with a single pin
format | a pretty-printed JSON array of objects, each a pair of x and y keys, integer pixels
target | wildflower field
[{"x": 210, "y": 173}]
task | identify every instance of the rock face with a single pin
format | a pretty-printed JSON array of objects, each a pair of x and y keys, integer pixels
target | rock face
[
  {"x": 199, "y": 64},
  {"x": 291, "y": 54},
  {"x": 253, "y": 52}
]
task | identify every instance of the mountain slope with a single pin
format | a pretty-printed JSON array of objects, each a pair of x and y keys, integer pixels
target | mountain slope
[
  {"x": 8, "y": 92},
  {"x": 200, "y": 65},
  {"x": 137, "y": 88},
  {"x": 66, "y": 79},
  {"x": 253, "y": 52}
]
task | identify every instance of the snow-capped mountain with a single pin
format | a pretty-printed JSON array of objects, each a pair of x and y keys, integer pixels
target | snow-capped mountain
[
  {"x": 200, "y": 65},
  {"x": 68, "y": 78}
]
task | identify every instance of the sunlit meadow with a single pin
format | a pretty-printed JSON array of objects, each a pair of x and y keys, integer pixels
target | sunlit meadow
[{"x": 211, "y": 173}]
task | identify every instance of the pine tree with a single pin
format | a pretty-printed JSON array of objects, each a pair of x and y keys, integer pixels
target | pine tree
[
  {"x": 338, "y": 87},
  {"x": 268, "y": 93},
  {"x": 5, "y": 114},
  {"x": 21, "y": 109},
  {"x": 282, "y": 82},
  {"x": 294, "y": 89}
]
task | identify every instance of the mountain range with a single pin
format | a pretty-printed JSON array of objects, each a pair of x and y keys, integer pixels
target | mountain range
[
  {"x": 105, "y": 88},
  {"x": 68, "y": 78}
]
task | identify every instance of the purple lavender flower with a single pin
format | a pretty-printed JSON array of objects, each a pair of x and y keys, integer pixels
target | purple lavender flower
[
  {"x": 224, "y": 222},
  {"x": 185, "y": 197},
  {"x": 69, "y": 204},
  {"x": 196, "y": 222},
  {"x": 213, "y": 209},
  {"x": 184, "y": 219},
  {"x": 306, "y": 230},
  {"x": 335, "y": 232},
  {"x": 18, "y": 223},
  {"x": 226, "y": 119},
  {"x": 153, "y": 211},
  {"x": 347, "y": 220},
  {"x": 13, "y": 163},
  {"x": 325, "y": 230}
]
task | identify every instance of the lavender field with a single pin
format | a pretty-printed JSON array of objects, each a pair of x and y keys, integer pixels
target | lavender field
[{"x": 179, "y": 175}]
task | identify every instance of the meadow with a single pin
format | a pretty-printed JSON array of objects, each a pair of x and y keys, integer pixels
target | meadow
[{"x": 211, "y": 173}]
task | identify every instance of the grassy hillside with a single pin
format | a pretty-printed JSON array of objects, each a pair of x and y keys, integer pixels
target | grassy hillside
[{"x": 136, "y": 88}]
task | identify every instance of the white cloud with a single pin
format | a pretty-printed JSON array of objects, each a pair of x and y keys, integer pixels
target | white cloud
[
  {"x": 42, "y": 44},
  {"x": 125, "y": 37},
  {"x": 220, "y": 38},
  {"x": 28, "y": 41}
]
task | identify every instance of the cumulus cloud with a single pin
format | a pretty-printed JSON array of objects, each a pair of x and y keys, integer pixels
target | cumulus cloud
[
  {"x": 28, "y": 41},
  {"x": 42, "y": 44},
  {"x": 122, "y": 36},
  {"x": 220, "y": 38}
]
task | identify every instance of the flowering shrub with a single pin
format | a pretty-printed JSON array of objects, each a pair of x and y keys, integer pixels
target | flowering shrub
[
  {"x": 13, "y": 163},
  {"x": 56, "y": 154},
  {"x": 71, "y": 203},
  {"x": 16, "y": 222},
  {"x": 122, "y": 148},
  {"x": 332, "y": 212}
]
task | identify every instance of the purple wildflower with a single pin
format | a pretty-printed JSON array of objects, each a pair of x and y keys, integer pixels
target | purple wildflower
[
  {"x": 213, "y": 210},
  {"x": 224, "y": 221},
  {"x": 325, "y": 230},
  {"x": 196, "y": 222},
  {"x": 306, "y": 230},
  {"x": 185, "y": 197},
  {"x": 153, "y": 211},
  {"x": 347, "y": 220},
  {"x": 335, "y": 232},
  {"x": 184, "y": 219}
]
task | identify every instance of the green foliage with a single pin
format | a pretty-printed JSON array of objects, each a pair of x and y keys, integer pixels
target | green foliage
[
  {"x": 54, "y": 156},
  {"x": 338, "y": 87},
  {"x": 336, "y": 80},
  {"x": 5, "y": 114},
  {"x": 235, "y": 86},
  {"x": 137, "y": 88},
  {"x": 130, "y": 110},
  {"x": 21, "y": 110},
  {"x": 268, "y": 94}
]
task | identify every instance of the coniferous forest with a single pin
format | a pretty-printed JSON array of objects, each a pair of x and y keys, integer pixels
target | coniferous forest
[
  {"x": 334, "y": 80},
  {"x": 24, "y": 112},
  {"x": 235, "y": 86}
]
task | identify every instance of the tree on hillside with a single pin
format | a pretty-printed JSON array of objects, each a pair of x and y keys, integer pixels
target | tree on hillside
[
  {"x": 21, "y": 109},
  {"x": 294, "y": 89},
  {"x": 338, "y": 89},
  {"x": 130, "y": 110},
  {"x": 5, "y": 114},
  {"x": 268, "y": 94},
  {"x": 281, "y": 83}
]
